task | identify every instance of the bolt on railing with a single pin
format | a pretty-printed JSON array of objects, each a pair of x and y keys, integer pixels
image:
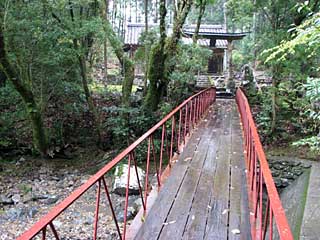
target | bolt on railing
[
  {"x": 173, "y": 130},
  {"x": 266, "y": 210}
]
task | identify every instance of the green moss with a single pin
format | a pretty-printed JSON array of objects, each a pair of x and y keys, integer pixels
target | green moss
[
  {"x": 100, "y": 88},
  {"x": 292, "y": 151},
  {"x": 156, "y": 75},
  {"x": 120, "y": 170}
]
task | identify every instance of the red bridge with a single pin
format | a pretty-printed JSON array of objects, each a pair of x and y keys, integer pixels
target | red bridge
[{"x": 213, "y": 179}]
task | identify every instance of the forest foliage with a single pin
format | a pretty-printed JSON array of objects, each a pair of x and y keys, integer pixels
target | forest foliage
[{"x": 54, "y": 52}]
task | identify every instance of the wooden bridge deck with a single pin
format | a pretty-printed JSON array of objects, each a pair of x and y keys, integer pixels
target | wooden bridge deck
[{"x": 205, "y": 195}]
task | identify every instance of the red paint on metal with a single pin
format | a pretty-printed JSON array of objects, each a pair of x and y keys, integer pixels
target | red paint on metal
[
  {"x": 96, "y": 217},
  {"x": 111, "y": 206},
  {"x": 204, "y": 97},
  {"x": 138, "y": 179},
  {"x": 127, "y": 199},
  {"x": 259, "y": 178},
  {"x": 147, "y": 174},
  {"x": 53, "y": 229}
]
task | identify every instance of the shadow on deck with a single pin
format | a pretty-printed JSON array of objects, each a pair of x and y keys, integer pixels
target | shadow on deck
[{"x": 205, "y": 195}]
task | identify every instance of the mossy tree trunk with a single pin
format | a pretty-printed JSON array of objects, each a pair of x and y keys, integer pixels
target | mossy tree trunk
[
  {"x": 202, "y": 8},
  {"x": 156, "y": 71},
  {"x": 126, "y": 63},
  {"x": 166, "y": 48},
  {"x": 39, "y": 132}
]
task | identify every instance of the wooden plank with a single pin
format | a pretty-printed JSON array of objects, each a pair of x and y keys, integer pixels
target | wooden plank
[
  {"x": 217, "y": 223},
  {"x": 180, "y": 210},
  {"x": 158, "y": 213},
  {"x": 179, "y": 213},
  {"x": 235, "y": 229},
  {"x": 197, "y": 219}
]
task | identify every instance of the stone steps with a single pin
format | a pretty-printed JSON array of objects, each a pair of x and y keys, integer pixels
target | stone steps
[{"x": 205, "y": 81}]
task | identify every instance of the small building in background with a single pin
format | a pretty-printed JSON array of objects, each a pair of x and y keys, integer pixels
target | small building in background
[{"x": 214, "y": 37}]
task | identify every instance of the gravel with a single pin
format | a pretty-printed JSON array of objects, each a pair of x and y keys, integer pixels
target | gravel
[{"x": 25, "y": 199}]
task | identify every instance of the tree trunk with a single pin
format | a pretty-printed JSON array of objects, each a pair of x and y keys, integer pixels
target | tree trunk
[
  {"x": 136, "y": 10},
  {"x": 114, "y": 15},
  {"x": 3, "y": 79},
  {"x": 225, "y": 19},
  {"x": 83, "y": 72},
  {"x": 126, "y": 63},
  {"x": 202, "y": 9},
  {"x": 275, "y": 73},
  {"x": 35, "y": 115},
  {"x": 274, "y": 112},
  {"x": 145, "y": 82},
  {"x": 156, "y": 71},
  {"x": 156, "y": 77},
  {"x": 92, "y": 107},
  {"x": 254, "y": 35},
  {"x": 155, "y": 20},
  {"x": 105, "y": 45}
]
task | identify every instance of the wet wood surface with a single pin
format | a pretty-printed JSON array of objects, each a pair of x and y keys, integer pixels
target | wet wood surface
[{"x": 204, "y": 196}]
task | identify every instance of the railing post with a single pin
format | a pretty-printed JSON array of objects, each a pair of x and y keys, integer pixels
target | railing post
[
  {"x": 131, "y": 155},
  {"x": 127, "y": 200},
  {"x": 179, "y": 130},
  {"x": 190, "y": 118},
  {"x": 172, "y": 139},
  {"x": 147, "y": 174},
  {"x": 96, "y": 218},
  {"x": 185, "y": 124},
  {"x": 161, "y": 148}
]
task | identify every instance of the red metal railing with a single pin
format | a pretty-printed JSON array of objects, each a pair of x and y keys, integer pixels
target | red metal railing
[
  {"x": 180, "y": 122},
  {"x": 266, "y": 210}
]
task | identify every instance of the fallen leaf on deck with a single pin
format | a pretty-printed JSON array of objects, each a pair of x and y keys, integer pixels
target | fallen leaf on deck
[
  {"x": 167, "y": 223},
  {"x": 209, "y": 207},
  {"x": 225, "y": 211},
  {"x": 235, "y": 231},
  {"x": 187, "y": 159}
]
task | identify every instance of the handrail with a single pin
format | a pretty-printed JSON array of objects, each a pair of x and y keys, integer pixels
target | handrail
[
  {"x": 188, "y": 114},
  {"x": 260, "y": 182}
]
